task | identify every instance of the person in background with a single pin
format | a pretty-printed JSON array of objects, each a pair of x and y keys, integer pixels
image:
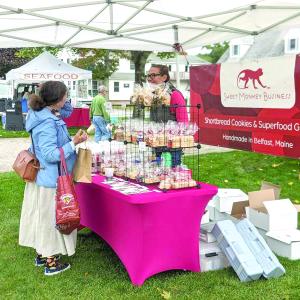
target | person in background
[
  {"x": 158, "y": 75},
  {"x": 49, "y": 133},
  {"x": 99, "y": 115},
  {"x": 66, "y": 110},
  {"x": 24, "y": 102}
]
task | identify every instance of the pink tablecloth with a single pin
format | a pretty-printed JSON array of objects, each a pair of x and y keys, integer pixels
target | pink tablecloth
[
  {"x": 151, "y": 232},
  {"x": 79, "y": 118}
]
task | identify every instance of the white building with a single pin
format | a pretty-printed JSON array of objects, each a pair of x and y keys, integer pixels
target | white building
[
  {"x": 82, "y": 89},
  {"x": 121, "y": 82},
  {"x": 269, "y": 44}
]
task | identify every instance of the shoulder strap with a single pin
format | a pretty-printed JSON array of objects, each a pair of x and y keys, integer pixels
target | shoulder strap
[
  {"x": 30, "y": 132},
  {"x": 63, "y": 165}
]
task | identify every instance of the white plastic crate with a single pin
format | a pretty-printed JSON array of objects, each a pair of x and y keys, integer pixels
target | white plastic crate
[
  {"x": 237, "y": 252},
  {"x": 211, "y": 257},
  {"x": 263, "y": 254}
]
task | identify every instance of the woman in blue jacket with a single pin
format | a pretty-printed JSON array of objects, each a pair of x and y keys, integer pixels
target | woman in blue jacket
[{"x": 49, "y": 133}]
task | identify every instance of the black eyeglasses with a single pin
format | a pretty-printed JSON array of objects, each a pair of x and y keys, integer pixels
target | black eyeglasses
[{"x": 153, "y": 75}]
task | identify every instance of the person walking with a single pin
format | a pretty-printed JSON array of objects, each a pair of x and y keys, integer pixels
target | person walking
[
  {"x": 99, "y": 115},
  {"x": 49, "y": 133}
]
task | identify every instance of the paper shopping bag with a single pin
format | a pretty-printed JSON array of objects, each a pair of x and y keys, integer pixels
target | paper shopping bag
[
  {"x": 91, "y": 129},
  {"x": 83, "y": 166}
]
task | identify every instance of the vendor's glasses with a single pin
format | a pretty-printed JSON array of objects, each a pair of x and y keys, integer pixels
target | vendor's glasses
[{"x": 153, "y": 75}]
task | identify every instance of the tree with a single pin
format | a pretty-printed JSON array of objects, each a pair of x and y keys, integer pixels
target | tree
[
  {"x": 139, "y": 58},
  {"x": 166, "y": 55},
  {"x": 30, "y": 53},
  {"x": 216, "y": 51},
  {"x": 101, "y": 62},
  {"x": 9, "y": 60}
]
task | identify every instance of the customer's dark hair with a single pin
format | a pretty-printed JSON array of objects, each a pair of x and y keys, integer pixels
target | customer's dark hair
[
  {"x": 50, "y": 93},
  {"x": 163, "y": 70}
]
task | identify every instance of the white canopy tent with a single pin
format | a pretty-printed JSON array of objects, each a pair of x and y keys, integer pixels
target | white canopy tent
[
  {"x": 138, "y": 24},
  {"x": 47, "y": 67},
  {"x": 153, "y": 25}
]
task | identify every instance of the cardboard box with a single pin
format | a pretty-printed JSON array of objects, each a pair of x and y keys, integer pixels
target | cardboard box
[
  {"x": 263, "y": 233},
  {"x": 270, "y": 186},
  {"x": 215, "y": 215},
  {"x": 226, "y": 197},
  {"x": 269, "y": 214},
  {"x": 205, "y": 232},
  {"x": 238, "y": 211},
  {"x": 277, "y": 190},
  {"x": 211, "y": 208},
  {"x": 211, "y": 212},
  {"x": 297, "y": 207},
  {"x": 205, "y": 217},
  {"x": 285, "y": 243}
]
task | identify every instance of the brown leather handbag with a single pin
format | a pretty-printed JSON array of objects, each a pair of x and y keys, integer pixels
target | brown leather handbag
[{"x": 27, "y": 165}]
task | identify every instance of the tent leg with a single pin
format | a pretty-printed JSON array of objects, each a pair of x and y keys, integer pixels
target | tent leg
[
  {"x": 175, "y": 28},
  {"x": 177, "y": 71}
]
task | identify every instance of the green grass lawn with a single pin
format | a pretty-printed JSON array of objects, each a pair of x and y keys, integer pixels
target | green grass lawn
[
  {"x": 18, "y": 134},
  {"x": 96, "y": 271}
]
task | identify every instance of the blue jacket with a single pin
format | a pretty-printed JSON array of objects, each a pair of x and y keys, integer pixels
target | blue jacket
[{"x": 49, "y": 133}]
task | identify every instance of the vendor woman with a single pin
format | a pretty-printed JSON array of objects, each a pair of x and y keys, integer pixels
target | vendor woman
[{"x": 158, "y": 75}]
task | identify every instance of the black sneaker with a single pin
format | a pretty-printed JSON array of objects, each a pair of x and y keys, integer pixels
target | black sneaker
[
  {"x": 56, "y": 268},
  {"x": 40, "y": 261}
]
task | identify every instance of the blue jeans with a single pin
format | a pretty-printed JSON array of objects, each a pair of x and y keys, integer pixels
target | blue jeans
[{"x": 101, "y": 132}]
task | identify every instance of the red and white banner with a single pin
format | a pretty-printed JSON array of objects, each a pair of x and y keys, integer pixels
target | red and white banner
[
  {"x": 253, "y": 106},
  {"x": 259, "y": 84}
]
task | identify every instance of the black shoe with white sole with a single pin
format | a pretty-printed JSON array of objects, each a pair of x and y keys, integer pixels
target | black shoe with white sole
[{"x": 56, "y": 267}]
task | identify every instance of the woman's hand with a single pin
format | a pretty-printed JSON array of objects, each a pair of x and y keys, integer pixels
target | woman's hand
[{"x": 80, "y": 137}]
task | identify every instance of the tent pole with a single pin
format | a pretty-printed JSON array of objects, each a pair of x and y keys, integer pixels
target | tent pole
[
  {"x": 177, "y": 70},
  {"x": 40, "y": 43},
  {"x": 213, "y": 28},
  {"x": 278, "y": 23},
  {"x": 175, "y": 27},
  {"x": 133, "y": 15}
]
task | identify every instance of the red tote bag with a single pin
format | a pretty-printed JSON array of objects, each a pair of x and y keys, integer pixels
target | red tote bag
[{"x": 67, "y": 207}]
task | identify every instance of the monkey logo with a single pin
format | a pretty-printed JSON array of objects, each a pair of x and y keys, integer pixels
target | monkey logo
[{"x": 246, "y": 75}]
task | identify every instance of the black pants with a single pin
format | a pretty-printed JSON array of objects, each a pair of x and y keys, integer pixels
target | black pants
[{"x": 176, "y": 155}]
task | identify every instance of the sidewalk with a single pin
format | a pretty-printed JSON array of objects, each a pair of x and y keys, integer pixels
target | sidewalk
[{"x": 10, "y": 147}]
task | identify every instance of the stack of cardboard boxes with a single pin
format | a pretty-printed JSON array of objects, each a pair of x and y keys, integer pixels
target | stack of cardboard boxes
[
  {"x": 228, "y": 204},
  {"x": 219, "y": 208},
  {"x": 275, "y": 219}
]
